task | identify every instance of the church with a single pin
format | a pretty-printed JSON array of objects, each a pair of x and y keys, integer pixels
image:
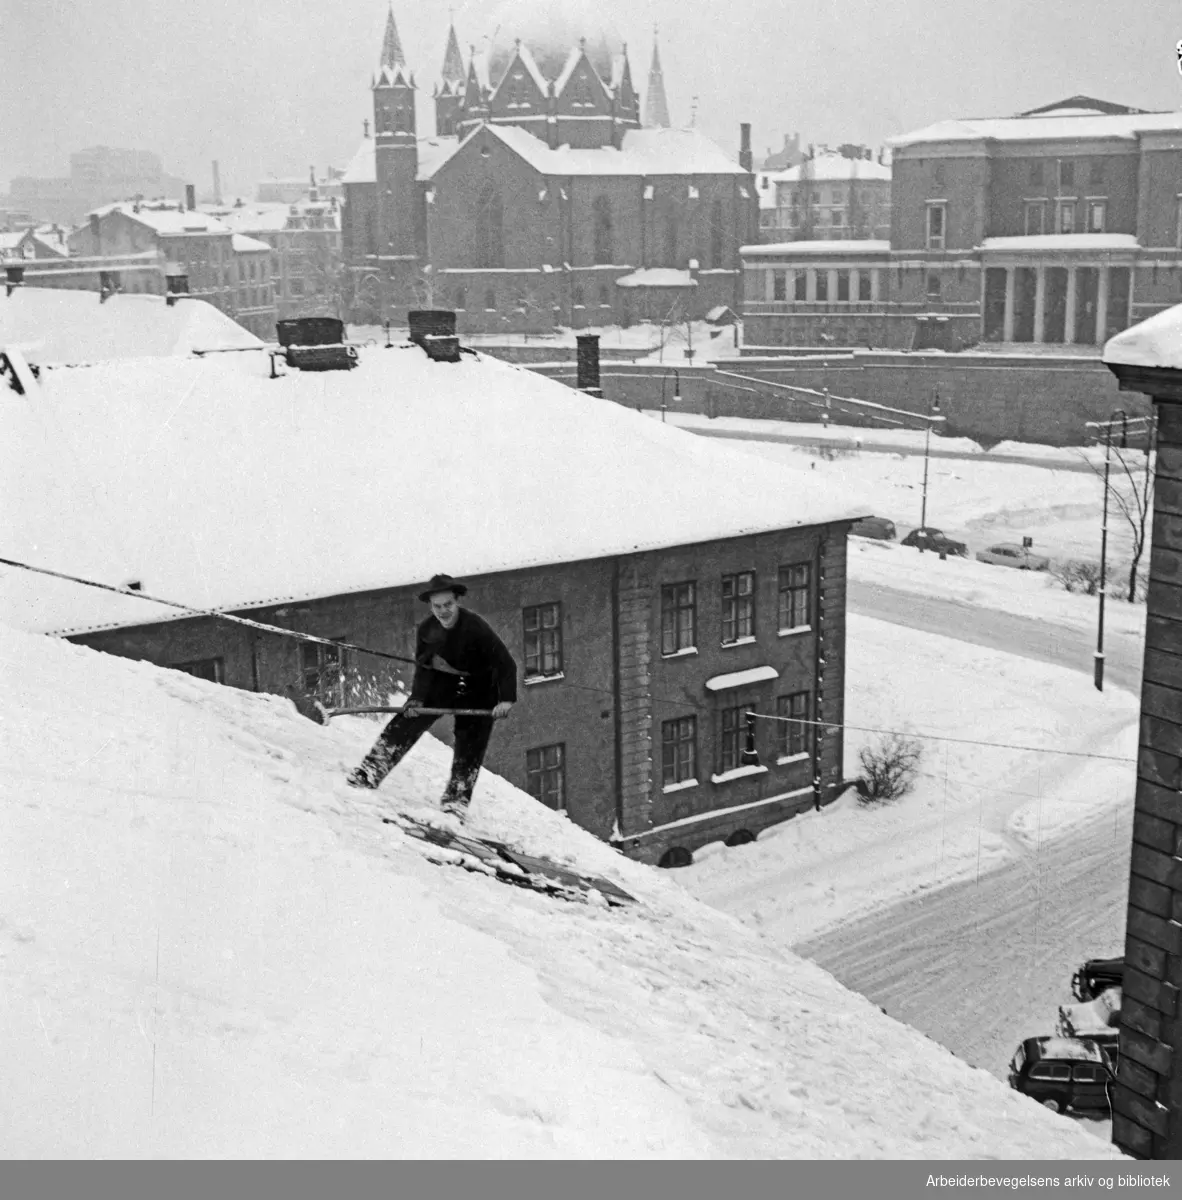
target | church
[{"x": 547, "y": 197}]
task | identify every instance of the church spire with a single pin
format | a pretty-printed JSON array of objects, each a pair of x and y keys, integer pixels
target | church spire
[
  {"x": 392, "y": 55},
  {"x": 453, "y": 62},
  {"x": 656, "y": 107}
]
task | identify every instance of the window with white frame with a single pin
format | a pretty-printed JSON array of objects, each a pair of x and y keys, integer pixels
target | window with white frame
[
  {"x": 779, "y": 285},
  {"x": 792, "y": 730},
  {"x": 795, "y": 596},
  {"x": 1065, "y": 215},
  {"x": 678, "y": 617},
  {"x": 542, "y": 640},
  {"x": 937, "y": 224},
  {"x": 731, "y": 726},
  {"x": 1097, "y": 214},
  {"x": 679, "y": 751},
  {"x": 1035, "y": 217},
  {"x": 545, "y": 775},
  {"x": 738, "y": 607}
]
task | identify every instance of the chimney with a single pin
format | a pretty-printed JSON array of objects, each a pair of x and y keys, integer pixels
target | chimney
[
  {"x": 190, "y": 197},
  {"x": 176, "y": 284},
  {"x": 745, "y": 159},
  {"x": 15, "y": 278},
  {"x": 587, "y": 370},
  {"x": 109, "y": 284},
  {"x": 97, "y": 234},
  {"x": 434, "y": 329},
  {"x": 217, "y": 183}
]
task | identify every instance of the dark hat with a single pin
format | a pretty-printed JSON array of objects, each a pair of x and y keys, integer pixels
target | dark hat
[{"x": 442, "y": 583}]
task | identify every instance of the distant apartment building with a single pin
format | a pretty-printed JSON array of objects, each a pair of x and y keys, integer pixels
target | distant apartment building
[
  {"x": 98, "y": 175},
  {"x": 229, "y": 270},
  {"x": 831, "y": 194},
  {"x": 303, "y": 239},
  {"x": 1058, "y": 226}
]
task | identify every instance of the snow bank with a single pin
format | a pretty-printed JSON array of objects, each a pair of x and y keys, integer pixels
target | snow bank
[{"x": 210, "y": 947}]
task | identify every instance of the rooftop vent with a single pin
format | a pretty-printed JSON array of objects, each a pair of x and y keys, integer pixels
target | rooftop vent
[
  {"x": 315, "y": 344},
  {"x": 435, "y": 330}
]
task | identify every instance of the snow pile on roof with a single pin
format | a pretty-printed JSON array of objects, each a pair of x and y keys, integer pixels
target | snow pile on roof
[
  {"x": 1155, "y": 342},
  {"x": 833, "y": 168},
  {"x": 59, "y": 325},
  {"x": 214, "y": 485},
  {"x": 1062, "y": 241},
  {"x": 212, "y": 948},
  {"x": 860, "y": 246},
  {"x": 245, "y": 245},
  {"x": 166, "y": 219},
  {"x": 433, "y": 153},
  {"x": 1084, "y": 124},
  {"x": 657, "y": 277}
]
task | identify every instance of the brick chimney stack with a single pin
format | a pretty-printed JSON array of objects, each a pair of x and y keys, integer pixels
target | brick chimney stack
[{"x": 745, "y": 158}]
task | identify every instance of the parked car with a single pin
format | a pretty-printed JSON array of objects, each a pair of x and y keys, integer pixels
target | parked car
[
  {"x": 928, "y": 538},
  {"x": 1097, "y": 975},
  {"x": 874, "y": 527},
  {"x": 1007, "y": 554},
  {"x": 1097, "y": 1020},
  {"x": 1063, "y": 1073}
]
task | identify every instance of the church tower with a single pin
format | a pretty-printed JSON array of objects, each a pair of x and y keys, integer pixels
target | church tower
[
  {"x": 449, "y": 94},
  {"x": 656, "y": 107},
  {"x": 396, "y": 160}
]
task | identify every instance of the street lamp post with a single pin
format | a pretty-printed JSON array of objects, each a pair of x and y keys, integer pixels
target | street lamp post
[
  {"x": 1098, "y": 662},
  {"x": 676, "y": 389},
  {"x": 933, "y": 411}
]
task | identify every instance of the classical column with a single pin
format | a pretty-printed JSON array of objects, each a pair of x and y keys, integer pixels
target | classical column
[
  {"x": 1069, "y": 309},
  {"x": 874, "y": 277},
  {"x": 769, "y": 284},
  {"x": 1007, "y": 328},
  {"x": 832, "y": 285},
  {"x": 1102, "y": 306},
  {"x": 810, "y": 285},
  {"x": 1040, "y": 301}
]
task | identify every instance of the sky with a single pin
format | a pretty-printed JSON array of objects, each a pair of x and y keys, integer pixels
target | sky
[{"x": 273, "y": 87}]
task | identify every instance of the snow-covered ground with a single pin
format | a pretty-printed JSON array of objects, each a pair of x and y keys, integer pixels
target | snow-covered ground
[
  {"x": 973, "y": 806},
  {"x": 209, "y": 947}
]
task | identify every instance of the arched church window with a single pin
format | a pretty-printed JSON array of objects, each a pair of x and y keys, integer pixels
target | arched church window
[
  {"x": 671, "y": 236},
  {"x": 490, "y": 245},
  {"x": 604, "y": 249},
  {"x": 716, "y": 234}
]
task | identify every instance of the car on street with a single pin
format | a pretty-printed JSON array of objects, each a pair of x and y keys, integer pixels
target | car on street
[
  {"x": 1096, "y": 976},
  {"x": 874, "y": 527},
  {"x": 1008, "y": 554},
  {"x": 1097, "y": 1019},
  {"x": 1063, "y": 1073},
  {"x": 926, "y": 537}
]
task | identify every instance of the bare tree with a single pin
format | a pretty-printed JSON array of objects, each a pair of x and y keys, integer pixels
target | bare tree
[{"x": 1130, "y": 493}]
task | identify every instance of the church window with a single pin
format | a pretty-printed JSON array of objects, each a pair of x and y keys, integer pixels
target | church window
[
  {"x": 490, "y": 248},
  {"x": 671, "y": 232},
  {"x": 602, "y": 211},
  {"x": 716, "y": 234}
]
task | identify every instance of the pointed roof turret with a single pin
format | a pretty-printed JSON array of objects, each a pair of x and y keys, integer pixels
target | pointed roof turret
[
  {"x": 656, "y": 107},
  {"x": 392, "y": 55},
  {"x": 453, "y": 62}
]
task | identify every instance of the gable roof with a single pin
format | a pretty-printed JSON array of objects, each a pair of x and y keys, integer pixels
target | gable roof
[
  {"x": 192, "y": 477},
  {"x": 166, "y": 220},
  {"x": 433, "y": 153}
]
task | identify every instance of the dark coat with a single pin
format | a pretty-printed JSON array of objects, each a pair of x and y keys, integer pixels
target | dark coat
[{"x": 470, "y": 646}]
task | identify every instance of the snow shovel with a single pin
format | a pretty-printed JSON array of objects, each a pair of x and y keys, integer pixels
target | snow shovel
[{"x": 319, "y": 713}]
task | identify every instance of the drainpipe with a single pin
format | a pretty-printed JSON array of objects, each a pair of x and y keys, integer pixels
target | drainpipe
[{"x": 819, "y": 679}]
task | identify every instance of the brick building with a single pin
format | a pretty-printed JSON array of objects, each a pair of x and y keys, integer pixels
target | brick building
[
  {"x": 229, "y": 270},
  {"x": 832, "y": 195},
  {"x": 1058, "y": 226},
  {"x": 645, "y": 622},
  {"x": 542, "y": 200},
  {"x": 1147, "y": 1098}
]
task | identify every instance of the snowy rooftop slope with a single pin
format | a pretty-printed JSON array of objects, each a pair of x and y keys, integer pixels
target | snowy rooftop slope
[
  {"x": 212, "y": 948},
  {"x": 833, "y": 168},
  {"x": 433, "y": 153},
  {"x": 1062, "y": 241},
  {"x": 1081, "y": 124},
  {"x": 214, "y": 485},
  {"x": 59, "y": 325},
  {"x": 1155, "y": 342}
]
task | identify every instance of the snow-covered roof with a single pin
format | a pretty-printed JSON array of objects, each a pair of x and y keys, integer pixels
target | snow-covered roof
[
  {"x": 833, "y": 168},
  {"x": 245, "y": 245},
  {"x": 260, "y": 215},
  {"x": 657, "y": 277},
  {"x": 203, "y": 479},
  {"x": 172, "y": 220},
  {"x": 1069, "y": 1048},
  {"x": 1040, "y": 242},
  {"x": 60, "y": 325},
  {"x": 1065, "y": 124},
  {"x": 1155, "y": 342},
  {"x": 863, "y": 247},
  {"x": 433, "y": 153},
  {"x": 642, "y": 152},
  {"x": 10, "y": 241}
]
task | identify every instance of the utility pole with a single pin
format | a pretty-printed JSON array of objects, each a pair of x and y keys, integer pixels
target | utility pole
[{"x": 933, "y": 411}]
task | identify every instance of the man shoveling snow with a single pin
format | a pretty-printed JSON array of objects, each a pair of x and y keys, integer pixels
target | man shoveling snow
[{"x": 460, "y": 663}]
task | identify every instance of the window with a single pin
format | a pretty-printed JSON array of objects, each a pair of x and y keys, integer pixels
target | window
[
  {"x": 605, "y": 296},
  {"x": 671, "y": 233},
  {"x": 795, "y": 596},
  {"x": 933, "y": 286},
  {"x": 490, "y": 299},
  {"x": 1050, "y": 1071},
  {"x": 937, "y": 220},
  {"x": 731, "y": 724},
  {"x": 792, "y": 738},
  {"x": 322, "y": 671},
  {"x": 864, "y": 285},
  {"x": 679, "y": 751},
  {"x": 822, "y": 285},
  {"x": 938, "y": 174},
  {"x": 1067, "y": 174},
  {"x": 1096, "y": 171},
  {"x": 459, "y": 298},
  {"x": 838, "y": 217},
  {"x": 1085, "y": 1073},
  {"x": 843, "y": 285},
  {"x": 1097, "y": 211},
  {"x": 716, "y": 233},
  {"x": 489, "y": 226},
  {"x": 779, "y": 285},
  {"x": 678, "y": 617},
  {"x": 802, "y": 280},
  {"x": 545, "y": 775},
  {"x": 1036, "y": 172},
  {"x": 1035, "y": 217},
  {"x": 295, "y": 287},
  {"x": 543, "y": 640},
  {"x": 1065, "y": 221},
  {"x": 738, "y": 607},
  {"x": 212, "y": 669},
  {"x": 602, "y": 213}
]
